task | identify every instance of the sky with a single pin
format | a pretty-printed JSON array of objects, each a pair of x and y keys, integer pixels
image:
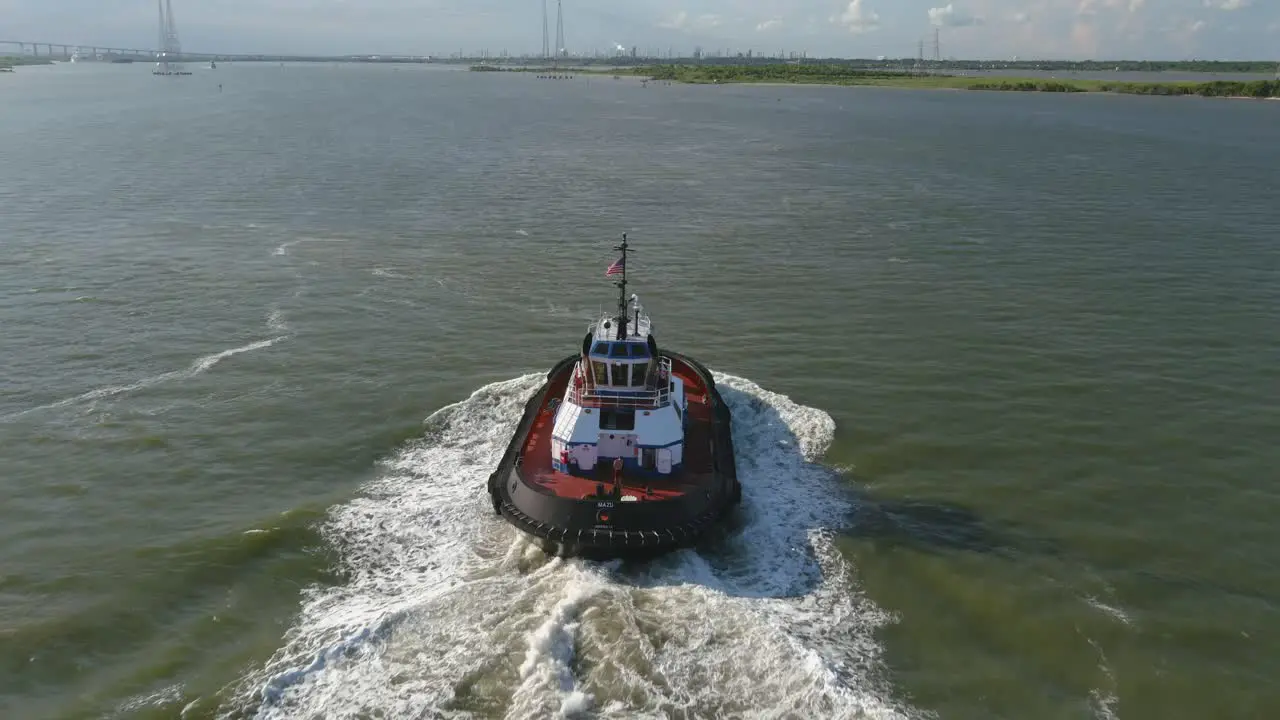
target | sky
[{"x": 969, "y": 29}]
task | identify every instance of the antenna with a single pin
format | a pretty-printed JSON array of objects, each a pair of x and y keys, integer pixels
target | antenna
[{"x": 546, "y": 42}]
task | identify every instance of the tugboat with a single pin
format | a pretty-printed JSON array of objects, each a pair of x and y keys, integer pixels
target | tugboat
[{"x": 625, "y": 450}]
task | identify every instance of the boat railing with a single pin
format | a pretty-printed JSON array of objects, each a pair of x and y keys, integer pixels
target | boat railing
[
  {"x": 638, "y": 323},
  {"x": 654, "y": 394}
]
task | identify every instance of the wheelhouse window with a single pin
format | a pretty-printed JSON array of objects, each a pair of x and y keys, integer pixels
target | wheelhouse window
[
  {"x": 617, "y": 419},
  {"x": 619, "y": 373},
  {"x": 600, "y": 348},
  {"x": 638, "y": 372},
  {"x": 599, "y": 372}
]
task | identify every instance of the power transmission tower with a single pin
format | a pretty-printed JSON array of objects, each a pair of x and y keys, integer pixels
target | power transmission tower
[
  {"x": 937, "y": 45},
  {"x": 546, "y": 40},
  {"x": 560, "y": 50}
]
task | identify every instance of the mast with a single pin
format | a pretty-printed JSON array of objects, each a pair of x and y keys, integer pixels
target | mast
[{"x": 622, "y": 290}]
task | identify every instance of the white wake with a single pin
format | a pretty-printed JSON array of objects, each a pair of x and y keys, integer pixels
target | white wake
[
  {"x": 448, "y": 610},
  {"x": 197, "y": 366}
]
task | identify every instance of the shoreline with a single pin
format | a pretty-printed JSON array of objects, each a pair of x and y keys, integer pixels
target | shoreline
[
  {"x": 1005, "y": 86},
  {"x": 826, "y": 75},
  {"x": 910, "y": 86},
  {"x": 8, "y": 63}
]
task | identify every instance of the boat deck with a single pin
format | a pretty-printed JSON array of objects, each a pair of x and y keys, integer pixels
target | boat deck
[{"x": 696, "y": 471}]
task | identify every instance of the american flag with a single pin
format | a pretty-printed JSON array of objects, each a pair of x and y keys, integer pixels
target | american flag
[{"x": 615, "y": 268}]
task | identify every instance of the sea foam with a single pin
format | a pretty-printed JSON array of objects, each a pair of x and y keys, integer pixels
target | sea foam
[{"x": 448, "y": 610}]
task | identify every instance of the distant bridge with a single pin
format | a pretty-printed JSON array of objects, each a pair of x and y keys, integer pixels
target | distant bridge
[
  {"x": 93, "y": 52},
  {"x": 67, "y": 50}
]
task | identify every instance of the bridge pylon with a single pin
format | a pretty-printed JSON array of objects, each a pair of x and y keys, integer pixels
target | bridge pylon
[{"x": 169, "y": 58}]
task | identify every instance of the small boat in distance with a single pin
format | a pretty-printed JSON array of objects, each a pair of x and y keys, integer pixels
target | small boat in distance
[{"x": 625, "y": 450}]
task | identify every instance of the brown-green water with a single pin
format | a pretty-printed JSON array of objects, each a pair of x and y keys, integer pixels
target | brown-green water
[{"x": 1003, "y": 369}]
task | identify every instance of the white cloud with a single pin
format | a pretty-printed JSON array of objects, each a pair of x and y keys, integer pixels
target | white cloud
[
  {"x": 1185, "y": 33},
  {"x": 675, "y": 22},
  {"x": 858, "y": 18},
  {"x": 768, "y": 25},
  {"x": 1092, "y": 7},
  {"x": 950, "y": 16},
  {"x": 682, "y": 21},
  {"x": 1227, "y": 4}
]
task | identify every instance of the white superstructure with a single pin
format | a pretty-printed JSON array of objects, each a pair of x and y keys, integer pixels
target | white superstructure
[{"x": 622, "y": 400}]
